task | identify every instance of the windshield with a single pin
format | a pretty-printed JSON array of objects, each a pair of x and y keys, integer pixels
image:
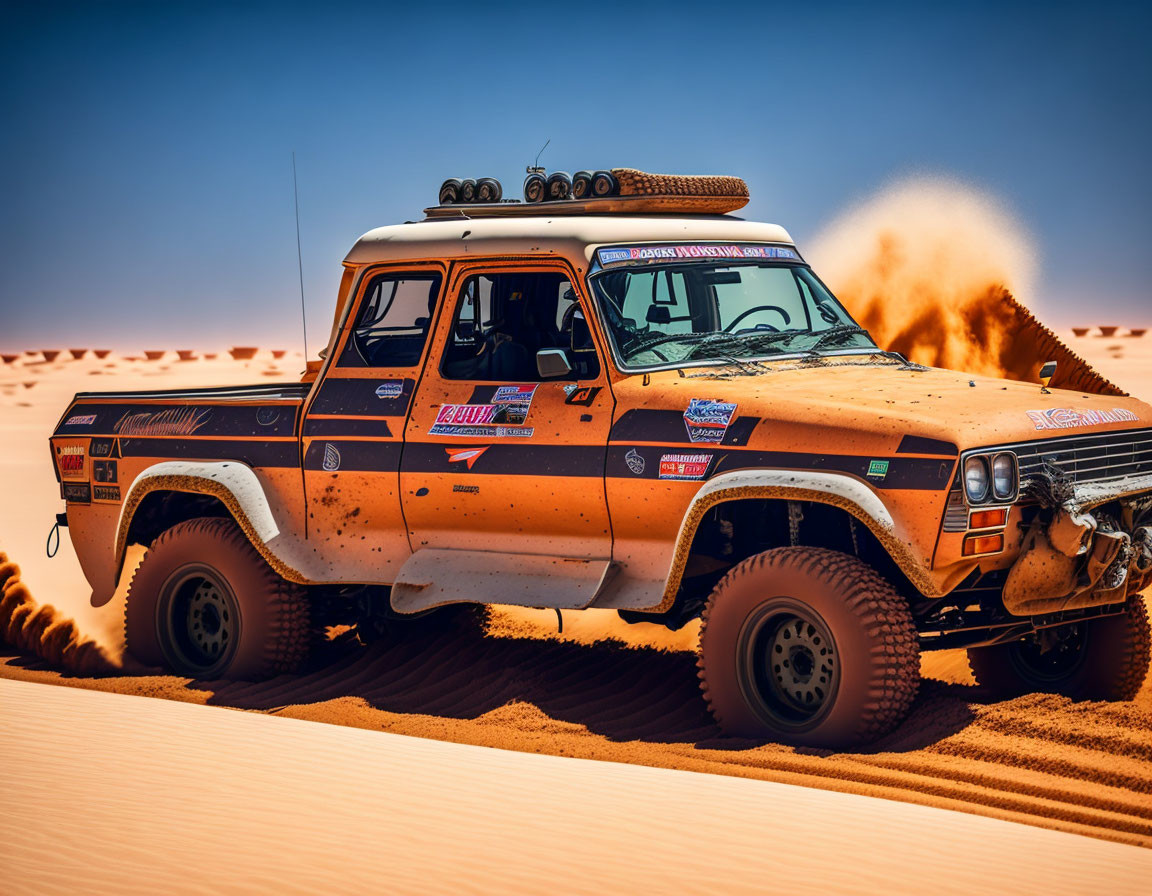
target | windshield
[{"x": 695, "y": 312}]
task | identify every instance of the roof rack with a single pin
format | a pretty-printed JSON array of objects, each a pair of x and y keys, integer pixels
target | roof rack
[{"x": 633, "y": 192}]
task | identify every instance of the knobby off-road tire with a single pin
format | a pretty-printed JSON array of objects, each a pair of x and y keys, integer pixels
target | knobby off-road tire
[
  {"x": 808, "y": 646},
  {"x": 1101, "y": 659},
  {"x": 205, "y": 604}
]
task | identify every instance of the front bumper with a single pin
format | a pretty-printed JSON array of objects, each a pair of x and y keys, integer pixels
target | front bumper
[{"x": 1073, "y": 558}]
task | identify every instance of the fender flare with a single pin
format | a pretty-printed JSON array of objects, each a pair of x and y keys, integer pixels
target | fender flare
[
  {"x": 234, "y": 484},
  {"x": 835, "y": 489}
]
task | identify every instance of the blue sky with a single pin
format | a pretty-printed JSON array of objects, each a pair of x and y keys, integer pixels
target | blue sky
[{"x": 145, "y": 179}]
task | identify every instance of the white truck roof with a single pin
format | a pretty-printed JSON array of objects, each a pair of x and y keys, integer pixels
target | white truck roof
[{"x": 570, "y": 236}]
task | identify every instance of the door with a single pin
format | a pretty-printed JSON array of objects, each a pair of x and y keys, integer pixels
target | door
[
  {"x": 497, "y": 458},
  {"x": 354, "y": 429}
]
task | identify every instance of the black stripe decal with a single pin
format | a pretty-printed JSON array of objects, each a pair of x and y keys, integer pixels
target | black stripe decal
[
  {"x": 354, "y": 457},
  {"x": 920, "y": 445},
  {"x": 355, "y": 397},
  {"x": 150, "y": 420},
  {"x": 506, "y": 460},
  {"x": 902, "y": 472},
  {"x": 254, "y": 452},
  {"x": 347, "y": 428},
  {"x": 649, "y": 425}
]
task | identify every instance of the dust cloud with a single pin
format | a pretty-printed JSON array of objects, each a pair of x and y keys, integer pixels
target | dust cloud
[
  {"x": 937, "y": 270},
  {"x": 42, "y": 631}
]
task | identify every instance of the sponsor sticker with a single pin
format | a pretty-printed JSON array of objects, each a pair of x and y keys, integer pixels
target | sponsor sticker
[
  {"x": 707, "y": 420},
  {"x": 80, "y": 420},
  {"x": 467, "y": 456},
  {"x": 100, "y": 448},
  {"x": 76, "y": 492},
  {"x": 694, "y": 250},
  {"x": 504, "y": 417},
  {"x": 390, "y": 389},
  {"x": 268, "y": 415},
  {"x": 1071, "y": 418},
  {"x": 331, "y": 461},
  {"x": 70, "y": 459},
  {"x": 466, "y": 489},
  {"x": 635, "y": 462},
  {"x": 684, "y": 466},
  {"x": 581, "y": 395},
  {"x": 877, "y": 469},
  {"x": 104, "y": 470},
  {"x": 106, "y": 493}
]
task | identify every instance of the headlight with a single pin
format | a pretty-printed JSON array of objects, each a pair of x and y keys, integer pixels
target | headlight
[
  {"x": 1004, "y": 476},
  {"x": 976, "y": 479}
]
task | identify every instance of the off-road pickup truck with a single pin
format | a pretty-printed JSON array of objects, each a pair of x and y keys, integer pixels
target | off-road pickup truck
[{"x": 629, "y": 400}]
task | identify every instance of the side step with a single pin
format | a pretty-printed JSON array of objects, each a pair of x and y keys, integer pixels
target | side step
[{"x": 432, "y": 577}]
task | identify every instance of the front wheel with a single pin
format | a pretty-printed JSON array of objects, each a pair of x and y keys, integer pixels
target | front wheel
[
  {"x": 808, "y": 646},
  {"x": 1096, "y": 659},
  {"x": 205, "y": 604}
]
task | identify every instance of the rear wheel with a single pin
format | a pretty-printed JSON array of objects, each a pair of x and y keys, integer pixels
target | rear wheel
[
  {"x": 1097, "y": 659},
  {"x": 808, "y": 646},
  {"x": 205, "y": 604}
]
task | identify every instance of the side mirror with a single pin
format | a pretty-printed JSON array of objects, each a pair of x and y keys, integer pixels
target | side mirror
[{"x": 552, "y": 363}]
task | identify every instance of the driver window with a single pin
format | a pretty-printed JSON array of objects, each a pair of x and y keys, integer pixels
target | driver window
[
  {"x": 502, "y": 319},
  {"x": 392, "y": 324}
]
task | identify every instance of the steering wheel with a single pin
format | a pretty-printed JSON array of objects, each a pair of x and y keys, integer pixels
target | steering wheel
[{"x": 739, "y": 317}]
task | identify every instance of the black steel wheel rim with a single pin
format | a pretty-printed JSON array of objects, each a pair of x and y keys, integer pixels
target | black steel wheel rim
[
  {"x": 1055, "y": 663},
  {"x": 198, "y": 621},
  {"x": 787, "y": 664}
]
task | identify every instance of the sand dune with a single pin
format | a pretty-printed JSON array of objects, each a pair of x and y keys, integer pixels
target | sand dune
[{"x": 259, "y": 804}]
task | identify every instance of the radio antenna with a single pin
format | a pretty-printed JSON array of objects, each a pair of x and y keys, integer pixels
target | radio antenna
[
  {"x": 536, "y": 165},
  {"x": 300, "y": 258}
]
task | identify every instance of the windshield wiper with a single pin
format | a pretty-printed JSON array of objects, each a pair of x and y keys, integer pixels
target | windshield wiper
[
  {"x": 661, "y": 340},
  {"x": 837, "y": 333}
]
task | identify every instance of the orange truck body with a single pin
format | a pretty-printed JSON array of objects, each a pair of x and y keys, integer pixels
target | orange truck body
[{"x": 585, "y": 490}]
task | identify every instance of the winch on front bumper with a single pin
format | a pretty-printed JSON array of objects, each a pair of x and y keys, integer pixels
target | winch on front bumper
[{"x": 1073, "y": 558}]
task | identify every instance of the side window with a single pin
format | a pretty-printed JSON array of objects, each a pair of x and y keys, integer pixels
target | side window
[
  {"x": 392, "y": 324},
  {"x": 502, "y": 319}
]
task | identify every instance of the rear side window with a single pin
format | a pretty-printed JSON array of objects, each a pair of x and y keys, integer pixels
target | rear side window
[{"x": 392, "y": 324}]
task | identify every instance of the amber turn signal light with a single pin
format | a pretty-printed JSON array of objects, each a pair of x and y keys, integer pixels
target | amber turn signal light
[
  {"x": 983, "y": 544},
  {"x": 988, "y": 519}
]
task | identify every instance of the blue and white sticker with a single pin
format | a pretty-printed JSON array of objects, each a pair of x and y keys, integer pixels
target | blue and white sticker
[
  {"x": 331, "y": 458},
  {"x": 635, "y": 462},
  {"x": 707, "y": 419},
  {"x": 390, "y": 389}
]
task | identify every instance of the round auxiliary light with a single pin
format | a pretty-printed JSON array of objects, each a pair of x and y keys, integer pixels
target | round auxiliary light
[
  {"x": 1004, "y": 476},
  {"x": 559, "y": 186},
  {"x": 582, "y": 184},
  {"x": 976, "y": 479},
  {"x": 450, "y": 191},
  {"x": 604, "y": 183},
  {"x": 534, "y": 187},
  {"x": 468, "y": 190},
  {"x": 488, "y": 189}
]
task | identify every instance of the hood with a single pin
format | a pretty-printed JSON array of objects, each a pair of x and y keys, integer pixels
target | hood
[{"x": 875, "y": 405}]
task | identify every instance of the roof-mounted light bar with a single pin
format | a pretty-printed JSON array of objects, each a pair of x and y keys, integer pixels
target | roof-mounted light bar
[{"x": 621, "y": 190}]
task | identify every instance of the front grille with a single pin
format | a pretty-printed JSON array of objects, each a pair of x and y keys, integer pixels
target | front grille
[{"x": 1095, "y": 458}]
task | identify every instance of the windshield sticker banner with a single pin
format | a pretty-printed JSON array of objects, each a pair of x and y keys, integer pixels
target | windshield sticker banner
[
  {"x": 679, "y": 253},
  {"x": 1071, "y": 418},
  {"x": 707, "y": 420},
  {"x": 684, "y": 466},
  {"x": 505, "y": 416}
]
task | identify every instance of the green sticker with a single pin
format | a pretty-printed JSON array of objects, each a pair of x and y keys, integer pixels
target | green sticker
[{"x": 878, "y": 468}]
